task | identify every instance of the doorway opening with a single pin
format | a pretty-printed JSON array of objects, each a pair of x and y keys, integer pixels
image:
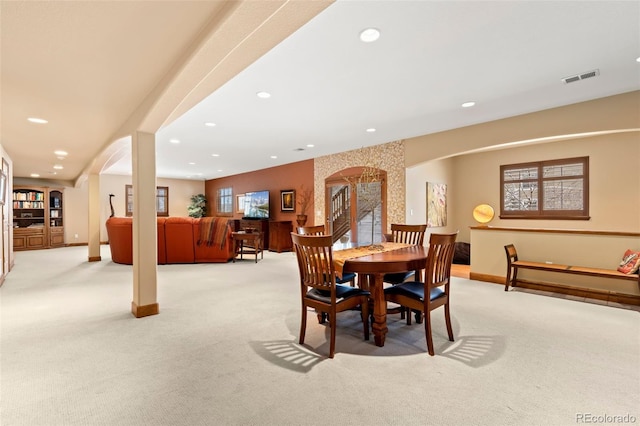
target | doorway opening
[{"x": 355, "y": 206}]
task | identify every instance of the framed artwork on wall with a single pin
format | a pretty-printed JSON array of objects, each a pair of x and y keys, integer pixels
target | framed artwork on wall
[
  {"x": 436, "y": 204},
  {"x": 288, "y": 200}
]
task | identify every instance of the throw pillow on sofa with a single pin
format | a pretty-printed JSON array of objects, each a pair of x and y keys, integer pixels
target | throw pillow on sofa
[{"x": 630, "y": 262}]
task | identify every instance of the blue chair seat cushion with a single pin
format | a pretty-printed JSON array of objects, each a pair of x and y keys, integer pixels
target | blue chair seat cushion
[
  {"x": 398, "y": 277},
  {"x": 414, "y": 290},
  {"x": 342, "y": 292},
  {"x": 346, "y": 277}
]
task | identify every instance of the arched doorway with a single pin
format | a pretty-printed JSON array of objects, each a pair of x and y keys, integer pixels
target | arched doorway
[{"x": 355, "y": 206}]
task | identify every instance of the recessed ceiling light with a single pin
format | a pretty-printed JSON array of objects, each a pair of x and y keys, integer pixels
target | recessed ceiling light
[
  {"x": 370, "y": 130},
  {"x": 210, "y": 124},
  {"x": 219, "y": 170},
  {"x": 274, "y": 157},
  {"x": 60, "y": 153},
  {"x": 215, "y": 155},
  {"x": 310, "y": 145},
  {"x": 174, "y": 140},
  {"x": 468, "y": 104},
  {"x": 37, "y": 120},
  {"x": 263, "y": 95},
  {"x": 35, "y": 175},
  {"x": 638, "y": 59},
  {"x": 58, "y": 167},
  {"x": 369, "y": 34},
  {"x": 192, "y": 164}
]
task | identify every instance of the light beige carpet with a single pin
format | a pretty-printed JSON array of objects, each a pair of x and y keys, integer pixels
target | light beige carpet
[{"x": 223, "y": 351}]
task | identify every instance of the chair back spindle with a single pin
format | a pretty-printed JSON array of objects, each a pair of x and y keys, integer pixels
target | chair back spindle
[
  {"x": 311, "y": 230},
  {"x": 408, "y": 234},
  {"x": 440, "y": 257}
]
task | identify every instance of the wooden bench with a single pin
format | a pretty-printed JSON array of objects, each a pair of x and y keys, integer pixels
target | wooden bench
[{"x": 513, "y": 264}]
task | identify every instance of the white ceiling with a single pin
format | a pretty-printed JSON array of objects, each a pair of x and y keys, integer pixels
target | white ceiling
[{"x": 327, "y": 86}]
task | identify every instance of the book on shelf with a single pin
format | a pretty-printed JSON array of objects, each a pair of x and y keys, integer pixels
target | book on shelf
[
  {"x": 28, "y": 196},
  {"x": 28, "y": 204}
]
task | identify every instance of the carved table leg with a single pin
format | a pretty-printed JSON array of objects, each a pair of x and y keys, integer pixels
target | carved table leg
[{"x": 379, "y": 325}]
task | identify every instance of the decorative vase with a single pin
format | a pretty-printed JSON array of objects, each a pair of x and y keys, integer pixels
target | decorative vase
[{"x": 301, "y": 219}]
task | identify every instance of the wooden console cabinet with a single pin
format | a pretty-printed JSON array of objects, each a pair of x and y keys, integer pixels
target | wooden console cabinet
[
  {"x": 262, "y": 225},
  {"x": 37, "y": 218},
  {"x": 280, "y": 236}
]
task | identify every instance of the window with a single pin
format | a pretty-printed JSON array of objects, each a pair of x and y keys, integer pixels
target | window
[
  {"x": 224, "y": 202},
  {"x": 556, "y": 189},
  {"x": 162, "y": 200}
]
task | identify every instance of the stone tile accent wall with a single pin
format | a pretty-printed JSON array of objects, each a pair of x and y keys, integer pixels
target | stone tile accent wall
[{"x": 388, "y": 157}]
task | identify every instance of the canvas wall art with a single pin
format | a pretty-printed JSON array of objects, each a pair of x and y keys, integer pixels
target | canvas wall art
[{"x": 436, "y": 204}]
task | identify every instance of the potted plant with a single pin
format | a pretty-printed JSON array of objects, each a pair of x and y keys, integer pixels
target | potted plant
[
  {"x": 305, "y": 196},
  {"x": 198, "y": 206}
]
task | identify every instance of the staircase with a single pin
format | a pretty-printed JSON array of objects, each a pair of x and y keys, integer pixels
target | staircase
[{"x": 341, "y": 208}]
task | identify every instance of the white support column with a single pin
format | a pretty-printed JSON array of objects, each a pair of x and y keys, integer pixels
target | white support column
[
  {"x": 145, "y": 270},
  {"x": 94, "y": 218}
]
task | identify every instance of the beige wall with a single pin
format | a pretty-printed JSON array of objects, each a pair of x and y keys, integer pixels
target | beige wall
[
  {"x": 475, "y": 179},
  {"x": 599, "y": 251},
  {"x": 614, "y": 182},
  {"x": 437, "y": 171},
  {"x": 180, "y": 192},
  {"x": 614, "y": 201},
  {"x": 613, "y": 148},
  {"x": 76, "y": 202}
]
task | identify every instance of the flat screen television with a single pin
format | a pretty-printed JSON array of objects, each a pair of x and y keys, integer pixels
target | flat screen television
[{"x": 256, "y": 205}]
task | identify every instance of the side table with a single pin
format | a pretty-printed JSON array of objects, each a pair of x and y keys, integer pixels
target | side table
[{"x": 253, "y": 244}]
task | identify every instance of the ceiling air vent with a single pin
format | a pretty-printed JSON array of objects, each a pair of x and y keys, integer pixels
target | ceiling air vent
[
  {"x": 582, "y": 76},
  {"x": 299, "y": 149}
]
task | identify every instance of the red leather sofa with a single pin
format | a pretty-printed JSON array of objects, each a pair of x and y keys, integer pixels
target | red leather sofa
[{"x": 180, "y": 240}]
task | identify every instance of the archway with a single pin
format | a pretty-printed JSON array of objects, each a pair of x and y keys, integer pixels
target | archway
[{"x": 355, "y": 205}]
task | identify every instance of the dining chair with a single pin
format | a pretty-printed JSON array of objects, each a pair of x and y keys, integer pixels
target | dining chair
[
  {"x": 347, "y": 277},
  {"x": 319, "y": 288},
  {"x": 433, "y": 293},
  {"x": 408, "y": 234},
  {"x": 311, "y": 230}
]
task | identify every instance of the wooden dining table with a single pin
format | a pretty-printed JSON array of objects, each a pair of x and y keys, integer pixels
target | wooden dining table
[{"x": 371, "y": 269}]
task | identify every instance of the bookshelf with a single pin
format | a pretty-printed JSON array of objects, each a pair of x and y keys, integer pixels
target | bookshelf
[{"x": 38, "y": 219}]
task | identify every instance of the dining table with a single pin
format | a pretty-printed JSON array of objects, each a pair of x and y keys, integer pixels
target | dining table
[{"x": 371, "y": 263}]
